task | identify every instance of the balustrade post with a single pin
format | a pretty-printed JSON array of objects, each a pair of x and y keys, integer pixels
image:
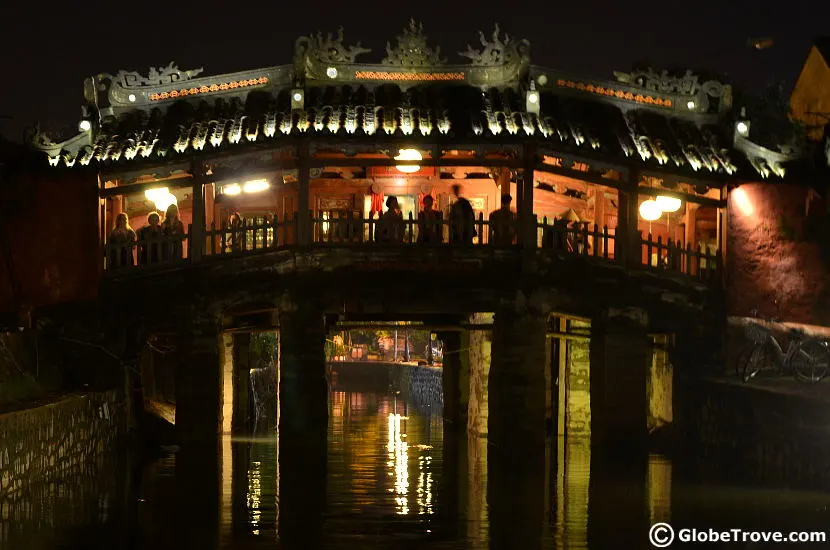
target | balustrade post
[{"x": 196, "y": 234}]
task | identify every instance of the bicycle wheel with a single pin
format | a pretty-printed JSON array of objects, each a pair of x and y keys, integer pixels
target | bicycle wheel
[
  {"x": 743, "y": 357},
  {"x": 810, "y": 361},
  {"x": 758, "y": 359}
]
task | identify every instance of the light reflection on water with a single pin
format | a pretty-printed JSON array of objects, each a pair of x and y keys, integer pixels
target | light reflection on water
[{"x": 393, "y": 481}]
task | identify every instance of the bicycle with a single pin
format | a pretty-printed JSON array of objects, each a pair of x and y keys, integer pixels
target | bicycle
[{"x": 806, "y": 358}]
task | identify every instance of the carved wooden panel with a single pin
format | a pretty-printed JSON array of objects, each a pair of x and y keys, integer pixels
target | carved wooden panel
[{"x": 335, "y": 202}]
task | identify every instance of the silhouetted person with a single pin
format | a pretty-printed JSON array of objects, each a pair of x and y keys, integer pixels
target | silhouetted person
[
  {"x": 429, "y": 223},
  {"x": 503, "y": 224},
  {"x": 390, "y": 226},
  {"x": 120, "y": 243},
  {"x": 173, "y": 229},
  {"x": 149, "y": 240},
  {"x": 235, "y": 232},
  {"x": 462, "y": 219}
]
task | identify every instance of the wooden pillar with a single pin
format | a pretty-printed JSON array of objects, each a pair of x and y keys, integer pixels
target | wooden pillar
[
  {"x": 454, "y": 380},
  {"x": 303, "y": 184},
  {"x": 197, "y": 235},
  {"x": 625, "y": 247},
  {"x": 527, "y": 221},
  {"x": 690, "y": 220}
]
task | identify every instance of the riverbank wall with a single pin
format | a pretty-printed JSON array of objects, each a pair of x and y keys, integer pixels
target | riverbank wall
[{"x": 57, "y": 441}]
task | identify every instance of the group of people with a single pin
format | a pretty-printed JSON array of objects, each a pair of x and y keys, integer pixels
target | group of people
[
  {"x": 501, "y": 222},
  {"x": 157, "y": 241}
]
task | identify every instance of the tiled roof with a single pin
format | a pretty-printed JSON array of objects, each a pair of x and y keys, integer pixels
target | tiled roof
[{"x": 459, "y": 112}]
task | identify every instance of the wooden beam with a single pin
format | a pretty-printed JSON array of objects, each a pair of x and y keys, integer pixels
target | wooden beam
[
  {"x": 702, "y": 201},
  {"x": 141, "y": 187}
]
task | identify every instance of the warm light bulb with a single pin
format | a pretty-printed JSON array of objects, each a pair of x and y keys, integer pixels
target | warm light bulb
[
  {"x": 743, "y": 128},
  {"x": 232, "y": 189},
  {"x": 331, "y": 72},
  {"x": 533, "y": 97},
  {"x": 131, "y": 97},
  {"x": 691, "y": 105},
  {"x": 154, "y": 194},
  {"x": 669, "y": 204},
  {"x": 408, "y": 154},
  {"x": 298, "y": 96},
  {"x": 164, "y": 201},
  {"x": 650, "y": 210},
  {"x": 85, "y": 126},
  {"x": 255, "y": 186}
]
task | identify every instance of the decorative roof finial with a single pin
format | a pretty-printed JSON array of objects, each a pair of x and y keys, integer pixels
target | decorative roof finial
[
  {"x": 332, "y": 50},
  {"x": 496, "y": 52},
  {"x": 412, "y": 49}
]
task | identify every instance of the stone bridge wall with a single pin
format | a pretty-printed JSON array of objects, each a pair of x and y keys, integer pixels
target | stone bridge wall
[
  {"x": 749, "y": 434},
  {"x": 57, "y": 441},
  {"x": 423, "y": 387}
]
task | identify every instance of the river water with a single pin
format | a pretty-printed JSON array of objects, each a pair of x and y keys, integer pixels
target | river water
[{"x": 393, "y": 479}]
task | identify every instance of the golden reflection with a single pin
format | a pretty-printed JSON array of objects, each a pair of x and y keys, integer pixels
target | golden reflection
[
  {"x": 424, "y": 491},
  {"x": 226, "y": 506},
  {"x": 572, "y": 490},
  {"x": 659, "y": 489},
  {"x": 255, "y": 495},
  {"x": 659, "y": 384},
  {"x": 398, "y": 452}
]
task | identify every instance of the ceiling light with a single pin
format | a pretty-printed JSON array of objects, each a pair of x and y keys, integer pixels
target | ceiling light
[
  {"x": 297, "y": 96},
  {"x": 331, "y": 72},
  {"x": 255, "y": 186},
  {"x": 84, "y": 126},
  {"x": 232, "y": 189},
  {"x": 131, "y": 97},
  {"x": 691, "y": 105},
  {"x": 742, "y": 128},
  {"x": 533, "y": 97}
]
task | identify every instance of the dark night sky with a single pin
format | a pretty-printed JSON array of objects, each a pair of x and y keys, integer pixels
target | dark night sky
[{"x": 48, "y": 50}]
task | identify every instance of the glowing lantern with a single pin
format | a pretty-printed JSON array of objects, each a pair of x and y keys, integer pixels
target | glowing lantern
[
  {"x": 161, "y": 197},
  {"x": 669, "y": 204},
  {"x": 408, "y": 154},
  {"x": 650, "y": 210}
]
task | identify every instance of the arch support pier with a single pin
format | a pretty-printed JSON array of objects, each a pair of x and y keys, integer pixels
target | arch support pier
[{"x": 303, "y": 422}]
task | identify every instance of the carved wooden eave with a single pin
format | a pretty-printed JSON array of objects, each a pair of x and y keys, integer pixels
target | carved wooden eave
[{"x": 765, "y": 161}]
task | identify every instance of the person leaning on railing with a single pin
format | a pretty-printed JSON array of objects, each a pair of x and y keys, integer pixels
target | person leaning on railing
[
  {"x": 149, "y": 240},
  {"x": 390, "y": 226},
  {"x": 503, "y": 224},
  {"x": 173, "y": 230},
  {"x": 120, "y": 243},
  {"x": 429, "y": 223}
]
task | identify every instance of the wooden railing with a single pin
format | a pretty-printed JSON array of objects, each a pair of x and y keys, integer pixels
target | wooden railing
[
  {"x": 146, "y": 252},
  {"x": 555, "y": 236}
]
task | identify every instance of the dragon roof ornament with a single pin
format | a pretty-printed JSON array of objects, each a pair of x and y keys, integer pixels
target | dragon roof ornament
[
  {"x": 332, "y": 50},
  {"x": 497, "y": 52},
  {"x": 666, "y": 83},
  {"x": 412, "y": 49},
  {"x": 155, "y": 77}
]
